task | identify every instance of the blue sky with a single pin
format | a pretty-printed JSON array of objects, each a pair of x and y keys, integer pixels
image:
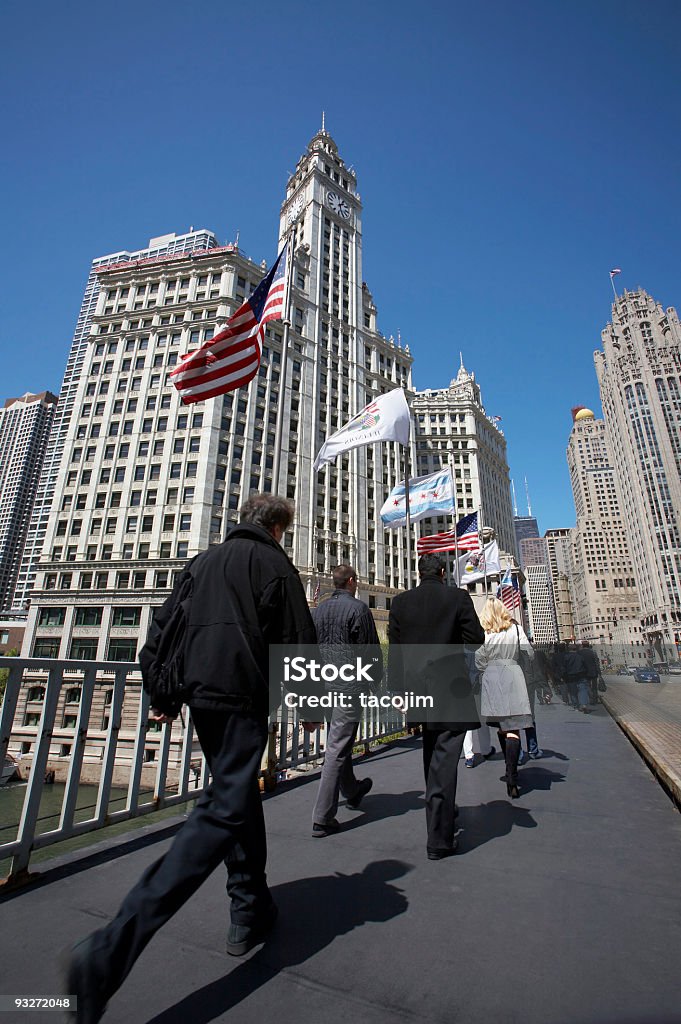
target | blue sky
[{"x": 508, "y": 156}]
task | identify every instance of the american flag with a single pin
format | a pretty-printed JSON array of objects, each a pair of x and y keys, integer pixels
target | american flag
[
  {"x": 232, "y": 358},
  {"x": 508, "y": 591},
  {"x": 317, "y": 589},
  {"x": 465, "y": 538}
]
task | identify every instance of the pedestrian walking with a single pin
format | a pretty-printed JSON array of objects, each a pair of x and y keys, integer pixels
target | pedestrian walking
[
  {"x": 574, "y": 673},
  {"x": 246, "y": 595},
  {"x": 345, "y": 630},
  {"x": 504, "y": 700},
  {"x": 592, "y": 667},
  {"x": 434, "y": 614},
  {"x": 536, "y": 678},
  {"x": 557, "y": 663}
]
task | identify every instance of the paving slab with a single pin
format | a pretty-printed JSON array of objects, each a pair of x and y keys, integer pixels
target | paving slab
[
  {"x": 563, "y": 906},
  {"x": 650, "y": 715}
]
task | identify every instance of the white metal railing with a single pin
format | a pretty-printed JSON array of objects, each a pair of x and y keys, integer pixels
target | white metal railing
[{"x": 112, "y": 750}]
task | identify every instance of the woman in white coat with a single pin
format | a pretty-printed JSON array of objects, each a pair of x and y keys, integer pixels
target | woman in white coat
[{"x": 504, "y": 700}]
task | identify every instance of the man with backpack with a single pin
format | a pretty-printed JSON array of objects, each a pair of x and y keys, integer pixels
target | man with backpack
[{"x": 237, "y": 598}]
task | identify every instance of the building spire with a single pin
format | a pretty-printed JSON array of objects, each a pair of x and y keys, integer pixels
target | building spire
[
  {"x": 527, "y": 492},
  {"x": 323, "y": 121},
  {"x": 515, "y": 503}
]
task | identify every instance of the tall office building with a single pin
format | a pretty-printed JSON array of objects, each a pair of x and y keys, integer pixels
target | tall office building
[
  {"x": 452, "y": 427},
  {"x": 524, "y": 528},
  {"x": 559, "y": 550},
  {"x": 540, "y": 605},
  {"x": 639, "y": 374},
  {"x": 37, "y": 529},
  {"x": 144, "y": 483},
  {"x": 24, "y": 428},
  {"x": 604, "y": 582}
]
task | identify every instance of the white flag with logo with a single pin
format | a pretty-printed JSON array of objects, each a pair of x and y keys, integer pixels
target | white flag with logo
[
  {"x": 475, "y": 565},
  {"x": 387, "y": 418}
]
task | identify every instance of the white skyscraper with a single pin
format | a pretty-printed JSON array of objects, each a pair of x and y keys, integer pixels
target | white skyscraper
[
  {"x": 639, "y": 373},
  {"x": 452, "y": 427},
  {"x": 144, "y": 482},
  {"x": 24, "y": 428},
  {"x": 603, "y": 579},
  {"x": 55, "y": 446}
]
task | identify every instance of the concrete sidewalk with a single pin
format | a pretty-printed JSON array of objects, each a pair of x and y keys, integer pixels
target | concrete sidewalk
[
  {"x": 561, "y": 907},
  {"x": 650, "y": 715}
]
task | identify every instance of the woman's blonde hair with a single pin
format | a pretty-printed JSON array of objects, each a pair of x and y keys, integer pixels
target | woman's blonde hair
[{"x": 495, "y": 616}]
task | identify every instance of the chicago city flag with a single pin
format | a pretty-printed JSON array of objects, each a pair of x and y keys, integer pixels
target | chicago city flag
[
  {"x": 385, "y": 419},
  {"x": 232, "y": 358},
  {"x": 428, "y": 496}
]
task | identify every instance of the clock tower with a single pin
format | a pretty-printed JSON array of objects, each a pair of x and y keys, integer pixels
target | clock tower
[{"x": 343, "y": 362}]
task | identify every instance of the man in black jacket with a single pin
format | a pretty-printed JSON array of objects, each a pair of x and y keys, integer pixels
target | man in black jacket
[
  {"x": 246, "y": 595},
  {"x": 435, "y": 621},
  {"x": 592, "y": 666},
  {"x": 345, "y": 630}
]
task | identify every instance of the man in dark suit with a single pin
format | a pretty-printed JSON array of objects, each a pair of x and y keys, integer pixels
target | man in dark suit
[{"x": 427, "y": 629}]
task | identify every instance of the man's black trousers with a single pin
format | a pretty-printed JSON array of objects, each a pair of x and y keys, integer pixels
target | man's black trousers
[
  {"x": 227, "y": 825},
  {"x": 441, "y": 752}
]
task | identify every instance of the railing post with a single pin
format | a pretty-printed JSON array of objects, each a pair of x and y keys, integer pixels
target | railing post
[{"x": 29, "y": 815}]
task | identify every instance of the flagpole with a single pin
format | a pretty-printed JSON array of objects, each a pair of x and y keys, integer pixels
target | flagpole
[
  {"x": 457, "y": 574},
  {"x": 612, "y": 282},
  {"x": 407, "y": 524},
  {"x": 481, "y": 527},
  {"x": 279, "y": 426}
]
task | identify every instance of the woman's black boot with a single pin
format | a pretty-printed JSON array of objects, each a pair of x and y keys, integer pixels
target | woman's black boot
[{"x": 512, "y": 757}]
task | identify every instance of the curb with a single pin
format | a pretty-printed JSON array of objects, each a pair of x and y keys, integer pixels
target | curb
[{"x": 665, "y": 773}]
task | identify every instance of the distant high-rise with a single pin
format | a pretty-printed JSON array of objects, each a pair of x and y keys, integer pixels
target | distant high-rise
[
  {"x": 525, "y": 528},
  {"x": 452, "y": 427},
  {"x": 24, "y": 428},
  {"x": 558, "y": 546},
  {"x": 639, "y": 373},
  {"x": 165, "y": 245},
  {"x": 603, "y": 579}
]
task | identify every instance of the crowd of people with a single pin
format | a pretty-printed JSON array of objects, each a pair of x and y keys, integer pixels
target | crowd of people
[{"x": 246, "y": 595}]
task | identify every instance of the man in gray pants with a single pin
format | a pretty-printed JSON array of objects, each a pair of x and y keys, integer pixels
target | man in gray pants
[{"x": 345, "y": 631}]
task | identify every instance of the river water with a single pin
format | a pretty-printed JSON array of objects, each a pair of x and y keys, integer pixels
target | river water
[{"x": 12, "y": 802}]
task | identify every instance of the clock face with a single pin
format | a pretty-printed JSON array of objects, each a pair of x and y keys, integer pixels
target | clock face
[
  {"x": 295, "y": 208},
  {"x": 338, "y": 204}
]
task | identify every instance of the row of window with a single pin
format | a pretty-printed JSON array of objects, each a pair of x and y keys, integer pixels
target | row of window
[
  {"x": 121, "y": 616},
  {"x": 85, "y": 649}
]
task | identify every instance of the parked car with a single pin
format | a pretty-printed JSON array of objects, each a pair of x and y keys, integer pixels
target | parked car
[
  {"x": 646, "y": 675},
  {"x": 674, "y": 669}
]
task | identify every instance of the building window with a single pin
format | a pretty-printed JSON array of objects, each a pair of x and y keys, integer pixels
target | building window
[
  {"x": 126, "y": 616},
  {"x": 122, "y": 650},
  {"x": 45, "y": 647},
  {"x": 88, "y": 617},
  {"x": 47, "y": 617},
  {"x": 83, "y": 649}
]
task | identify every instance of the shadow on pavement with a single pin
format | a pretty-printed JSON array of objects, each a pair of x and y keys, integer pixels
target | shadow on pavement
[
  {"x": 312, "y": 913},
  {"x": 481, "y": 823},
  {"x": 386, "y": 805}
]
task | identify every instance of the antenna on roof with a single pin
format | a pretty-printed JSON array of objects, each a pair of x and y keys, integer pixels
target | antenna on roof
[
  {"x": 323, "y": 121},
  {"x": 515, "y": 503},
  {"x": 527, "y": 492}
]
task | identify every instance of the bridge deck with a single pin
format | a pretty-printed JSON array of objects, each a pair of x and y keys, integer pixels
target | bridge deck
[{"x": 561, "y": 907}]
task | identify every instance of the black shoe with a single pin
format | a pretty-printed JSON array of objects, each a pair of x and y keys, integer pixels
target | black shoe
[
  {"x": 329, "y": 828},
  {"x": 512, "y": 790},
  {"x": 441, "y": 854},
  {"x": 491, "y": 754},
  {"x": 243, "y": 937},
  {"x": 363, "y": 787},
  {"x": 79, "y": 980}
]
